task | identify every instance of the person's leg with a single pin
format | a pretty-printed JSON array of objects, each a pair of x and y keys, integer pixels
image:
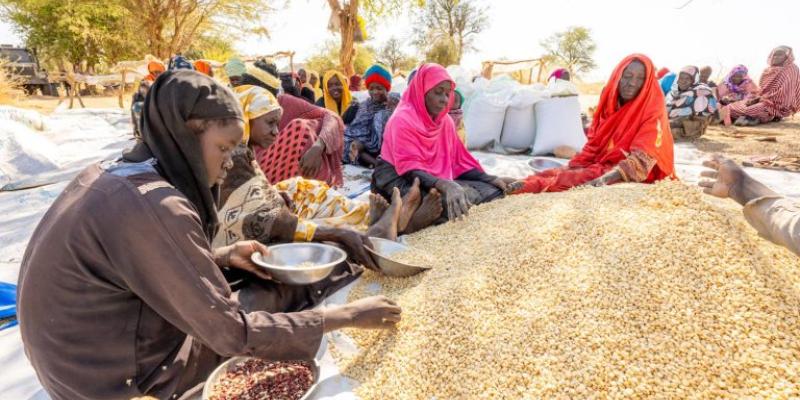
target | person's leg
[
  {"x": 481, "y": 192},
  {"x": 385, "y": 179},
  {"x": 430, "y": 212},
  {"x": 275, "y": 297},
  {"x": 386, "y": 227}
]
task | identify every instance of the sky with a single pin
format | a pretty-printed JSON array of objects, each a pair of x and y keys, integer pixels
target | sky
[{"x": 719, "y": 33}]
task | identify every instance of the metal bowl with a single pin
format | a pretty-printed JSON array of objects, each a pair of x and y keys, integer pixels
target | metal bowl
[
  {"x": 540, "y": 164},
  {"x": 215, "y": 376},
  {"x": 383, "y": 250},
  {"x": 283, "y": 259}
]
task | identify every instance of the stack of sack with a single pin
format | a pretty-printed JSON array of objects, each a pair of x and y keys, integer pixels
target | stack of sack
[{"x": 503, "y": 116}]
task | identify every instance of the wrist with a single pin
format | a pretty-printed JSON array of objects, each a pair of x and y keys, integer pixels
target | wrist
[
  {"x": 324, "y": 234},
  {"x": 336, "y": 317},
  {"x": 748, "y": 189},
  {"x": 222, "y": 256}
]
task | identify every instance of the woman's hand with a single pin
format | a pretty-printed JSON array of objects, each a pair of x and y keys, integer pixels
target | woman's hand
[
  {"x": 515, "y": 187},
  {"x": 311, "y": 161},
  {"x": 456, "y": 200},
  {"x": 354, "y": 244},
  {"x": 752, "y": 101},
  {"x": 503, "y": 184},
  {"x": 238, "y": 255},
  {"x": 599, "y": 182},
  {"x": 377, "y": 312}
]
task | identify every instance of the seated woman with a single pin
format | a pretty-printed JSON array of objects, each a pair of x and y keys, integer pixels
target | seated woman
[
  {"x": 235, "y": 69},
  {"x": 297, "y": 209},
  {"x": 690, "y": 105},
  {"x": 629, "y": 139},
  {"x": 420, "y": 143},
  {"x": 313, "y": 83},
  {"x": 705, "y": 76},
  {"x": 120, "y": 292},
  {"x": 364, "y": 136},
  {"x": 311, "y": 142},
  {"x": 154, "y": 69},
  {"x": 305, "y": 89},
  {"x": 778, "y": 98},
  {"x": 337, "y": 98},
  {"x": 457, "y": 114},
  {"x": 737, "y": 86}
]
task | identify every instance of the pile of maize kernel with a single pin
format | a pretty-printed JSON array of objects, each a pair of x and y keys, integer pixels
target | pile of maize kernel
[{"x": 628, "y": 291}]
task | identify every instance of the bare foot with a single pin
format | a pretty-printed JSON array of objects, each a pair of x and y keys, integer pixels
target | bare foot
[
  {"x": 410, "y": 205},
  {"x": 377, "y": 206},
  {"x": 429, "y": 211},
  {"x": 386, "y": 227},
  {"x": 355, "y": 150}
]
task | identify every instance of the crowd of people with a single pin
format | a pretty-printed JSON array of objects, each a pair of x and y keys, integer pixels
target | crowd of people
[
  {"x": 694, "y": 101},
  {"x": 126, "y": 287}
]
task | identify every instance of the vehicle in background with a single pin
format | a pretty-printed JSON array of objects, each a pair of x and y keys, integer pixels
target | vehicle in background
[{"x": 23, "y": 67}]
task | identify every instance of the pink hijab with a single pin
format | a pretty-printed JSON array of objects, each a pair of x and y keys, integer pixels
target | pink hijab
[{"x": 413, "y": 141}]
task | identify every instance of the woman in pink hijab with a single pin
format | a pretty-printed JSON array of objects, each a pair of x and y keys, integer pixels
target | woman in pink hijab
[{"x": 421, "y": 149}]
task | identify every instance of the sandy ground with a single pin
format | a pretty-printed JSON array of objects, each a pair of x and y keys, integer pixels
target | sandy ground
[
  {"x": 47, "y": 104},
  {"x": 775, "y": 145}
]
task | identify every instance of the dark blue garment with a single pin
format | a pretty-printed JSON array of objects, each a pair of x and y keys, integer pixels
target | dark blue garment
[
  {"x": 180, "y": 62},
  {"x": 367, "y": 127}
]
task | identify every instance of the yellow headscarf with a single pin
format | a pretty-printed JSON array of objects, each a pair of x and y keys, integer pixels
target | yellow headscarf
[
  {"x": 263, "y": 76},
  {"x": 330, "y": 103},
  {"x": 256, "y": 101}
]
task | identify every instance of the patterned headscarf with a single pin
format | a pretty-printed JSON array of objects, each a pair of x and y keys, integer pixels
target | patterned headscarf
[
  {"x": 263, "y": 76},
  {"x": 256, "y": 102},
  {"x": 180, "y": 62},
  {"x": 740, "y": 88}
]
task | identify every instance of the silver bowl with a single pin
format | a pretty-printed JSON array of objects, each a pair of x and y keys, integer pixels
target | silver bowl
[
  {"x": 283, "y": 259},
  {"x": 382, "y": 252},
  {"x": 215, "y": 376}
]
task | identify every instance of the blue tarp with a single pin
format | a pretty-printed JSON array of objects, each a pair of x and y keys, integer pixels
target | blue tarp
[{"x": 8, "y": 304}]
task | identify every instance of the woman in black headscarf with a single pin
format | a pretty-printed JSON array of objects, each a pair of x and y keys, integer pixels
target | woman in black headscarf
[{"x": 120, "y": 293}]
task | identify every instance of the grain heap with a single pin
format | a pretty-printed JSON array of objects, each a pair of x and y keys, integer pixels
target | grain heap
[{"x": 620, "y": 292}]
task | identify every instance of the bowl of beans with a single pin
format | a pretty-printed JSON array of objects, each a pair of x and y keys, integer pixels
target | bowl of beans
[{"x": 248, "y": 378}]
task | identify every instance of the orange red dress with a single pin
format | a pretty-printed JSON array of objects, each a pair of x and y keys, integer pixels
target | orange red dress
[{"x": 635, "y": 138}]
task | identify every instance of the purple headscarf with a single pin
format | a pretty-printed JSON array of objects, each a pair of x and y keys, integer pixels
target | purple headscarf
[{"x": 738, "y": 89}]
